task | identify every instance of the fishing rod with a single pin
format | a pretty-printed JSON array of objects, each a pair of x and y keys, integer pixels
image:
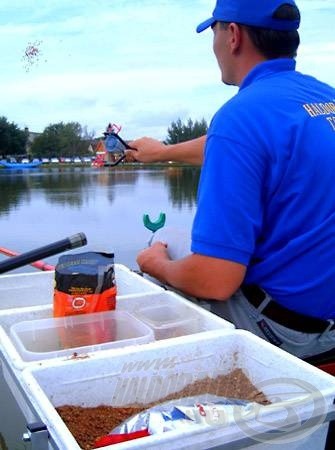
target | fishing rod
[{"x": 75, "y": 241}]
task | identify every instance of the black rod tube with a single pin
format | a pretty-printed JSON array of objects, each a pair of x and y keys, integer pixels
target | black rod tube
[{"x": 77, "y": 240}]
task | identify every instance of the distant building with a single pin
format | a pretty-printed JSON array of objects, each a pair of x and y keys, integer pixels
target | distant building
[{"x": 32, "y": 135}]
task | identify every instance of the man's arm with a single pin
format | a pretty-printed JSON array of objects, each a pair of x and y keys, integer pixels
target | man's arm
[
  {"x": 197, "y": 275},
  {"x": 152, "y": 150}
]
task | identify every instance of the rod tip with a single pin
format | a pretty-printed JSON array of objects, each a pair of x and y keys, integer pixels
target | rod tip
[{"x": 78, "y": 240}]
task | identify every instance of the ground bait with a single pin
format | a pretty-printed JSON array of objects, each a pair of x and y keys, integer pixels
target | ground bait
[{"x": 87, "y": 424}]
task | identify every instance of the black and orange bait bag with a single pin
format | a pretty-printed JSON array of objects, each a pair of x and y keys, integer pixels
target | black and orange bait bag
[{"x": 84, "y": 283}]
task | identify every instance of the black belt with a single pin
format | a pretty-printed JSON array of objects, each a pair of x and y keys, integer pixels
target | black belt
[{"x": 283, "y": 316}]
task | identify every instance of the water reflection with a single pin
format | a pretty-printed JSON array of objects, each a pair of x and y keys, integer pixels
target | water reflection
[
  {"x": 183, "y": 183},
  {"x": 74, "y": 187},
  {"x": 13, "y": 190}
]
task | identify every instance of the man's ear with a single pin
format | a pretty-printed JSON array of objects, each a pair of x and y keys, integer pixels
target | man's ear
[{"x": 235, "y": 37}]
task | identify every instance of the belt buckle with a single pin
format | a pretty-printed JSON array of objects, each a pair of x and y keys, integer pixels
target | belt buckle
[{"x": 330, "y": 326}]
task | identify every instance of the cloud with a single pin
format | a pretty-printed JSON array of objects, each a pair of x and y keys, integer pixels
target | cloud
[{"x": 134, "y": 62}]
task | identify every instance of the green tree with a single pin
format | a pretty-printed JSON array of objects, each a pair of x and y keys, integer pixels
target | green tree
[
  {"x": 62, "y": 139},
  {"x": 181, "y": 132},
  {"x": 12, "y": 140}
]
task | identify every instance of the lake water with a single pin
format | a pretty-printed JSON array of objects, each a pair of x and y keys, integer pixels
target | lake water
[{"x": 41, "y": 206}]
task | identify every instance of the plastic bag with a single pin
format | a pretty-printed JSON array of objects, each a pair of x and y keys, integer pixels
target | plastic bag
[
  {"x": 179, "y": 414},
  {"x": 84, "y": 283}
]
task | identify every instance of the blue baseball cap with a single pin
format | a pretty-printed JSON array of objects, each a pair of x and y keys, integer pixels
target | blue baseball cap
[{"x": 257, "y": 13}]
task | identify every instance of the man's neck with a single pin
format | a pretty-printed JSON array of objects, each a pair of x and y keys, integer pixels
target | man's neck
[{"x": 247, "y": 64}]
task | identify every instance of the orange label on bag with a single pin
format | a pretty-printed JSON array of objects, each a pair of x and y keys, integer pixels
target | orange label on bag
[
  {"x": 70, "y": 304},
  {"x": 84, "y": 283}
]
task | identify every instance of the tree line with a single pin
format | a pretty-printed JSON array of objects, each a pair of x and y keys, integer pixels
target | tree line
[{"x": 71, "y": 139}]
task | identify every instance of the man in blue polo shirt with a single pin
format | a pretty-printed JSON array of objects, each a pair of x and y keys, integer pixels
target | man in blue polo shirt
[{"x": 263, "y": 238}]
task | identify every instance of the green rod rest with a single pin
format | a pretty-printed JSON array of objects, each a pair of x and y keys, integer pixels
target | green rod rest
[{"x": 154, "y": 226}]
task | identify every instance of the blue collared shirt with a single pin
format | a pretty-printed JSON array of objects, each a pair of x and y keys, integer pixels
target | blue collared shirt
[{"x": 267, "y": 189}]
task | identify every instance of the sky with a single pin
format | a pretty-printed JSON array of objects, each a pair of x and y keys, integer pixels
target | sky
[{"x": 136, "y": 63}]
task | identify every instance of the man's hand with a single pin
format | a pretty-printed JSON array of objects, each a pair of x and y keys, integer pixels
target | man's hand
[
  {"x": 152, "y": 259},
  {"x": 146, "y": 150},
  {"x": 151, "y": 150}
]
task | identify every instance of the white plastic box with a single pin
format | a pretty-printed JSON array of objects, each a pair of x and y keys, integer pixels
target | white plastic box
[
  {"x": 65, "y": 336},
  {"x": 36, "y": 288},
  {"x": 172, "y": 316},
  {"x": 15, "y": 362},
  {"x": 301, "y": 395},
  {"x": 168, "y": 320},
  {"x": 203, "y": 322}
]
